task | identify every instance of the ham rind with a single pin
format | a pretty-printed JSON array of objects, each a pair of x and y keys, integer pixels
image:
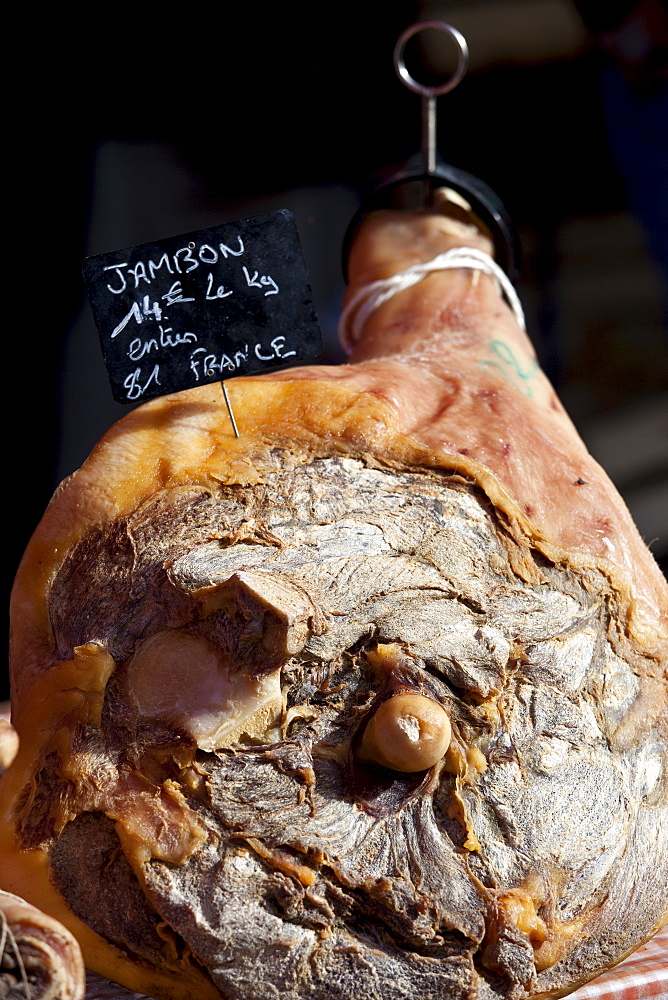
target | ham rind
[
  {"x": 203, "y": 626},
  {"x": 40, "y": 958}
]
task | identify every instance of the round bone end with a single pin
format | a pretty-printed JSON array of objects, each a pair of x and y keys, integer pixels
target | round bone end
[
  {"x": 9, "y": 744},
  {"x": 409, "y": 732}
]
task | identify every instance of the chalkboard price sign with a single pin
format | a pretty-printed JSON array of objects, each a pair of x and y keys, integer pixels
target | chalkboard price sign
[{"x": 202, "y": 307}]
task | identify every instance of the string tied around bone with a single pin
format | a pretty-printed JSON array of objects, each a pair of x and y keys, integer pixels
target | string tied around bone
[{"x": 367, "y": 299}]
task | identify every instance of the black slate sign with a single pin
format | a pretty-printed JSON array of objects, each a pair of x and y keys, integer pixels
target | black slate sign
[{"x": 202, "y": 307}]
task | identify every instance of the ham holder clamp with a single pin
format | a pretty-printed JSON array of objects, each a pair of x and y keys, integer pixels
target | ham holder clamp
[
  {"x": 424, "y": 174},
  {"x": 368, "y": 701}
]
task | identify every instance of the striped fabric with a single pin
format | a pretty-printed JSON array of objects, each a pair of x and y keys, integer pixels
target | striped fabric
[{"x": 644, "y": 974}]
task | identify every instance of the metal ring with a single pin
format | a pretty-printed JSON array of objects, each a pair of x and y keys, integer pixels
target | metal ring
[{"x": 405, "y": 76}]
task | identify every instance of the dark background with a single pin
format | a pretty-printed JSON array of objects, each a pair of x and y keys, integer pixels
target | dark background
[{"x": 129, "y": 126}]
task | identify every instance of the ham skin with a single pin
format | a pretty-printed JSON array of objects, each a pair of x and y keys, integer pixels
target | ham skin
[
  {"x": 50, "y": 956},
  {"x": 443, "y": 382}
]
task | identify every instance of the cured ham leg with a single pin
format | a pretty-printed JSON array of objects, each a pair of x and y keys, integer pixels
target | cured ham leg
[
  {"x": 369, "y": 701},
  {"x": 40, "y": 960}
]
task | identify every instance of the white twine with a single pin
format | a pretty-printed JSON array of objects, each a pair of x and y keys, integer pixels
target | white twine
[{"x": 370, "y": 297}]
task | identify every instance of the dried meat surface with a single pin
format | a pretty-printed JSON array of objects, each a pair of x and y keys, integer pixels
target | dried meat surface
[{"x": 207, "y": 625}]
